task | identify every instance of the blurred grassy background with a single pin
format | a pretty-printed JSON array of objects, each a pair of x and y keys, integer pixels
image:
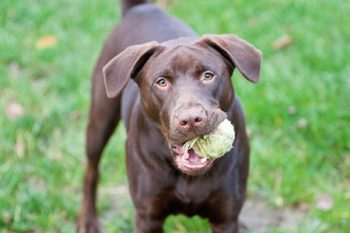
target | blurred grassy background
[{"x": 298, "y": 116}]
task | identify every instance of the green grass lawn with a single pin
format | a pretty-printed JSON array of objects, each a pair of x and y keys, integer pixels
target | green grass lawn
[{"x": 298, "y": 116}]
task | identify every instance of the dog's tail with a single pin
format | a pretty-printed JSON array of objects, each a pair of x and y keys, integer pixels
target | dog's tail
[{"x": 127, "y": 4}]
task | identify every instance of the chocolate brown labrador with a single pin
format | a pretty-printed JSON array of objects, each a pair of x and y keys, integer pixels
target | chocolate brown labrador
[{"x": 168, "y": 86}]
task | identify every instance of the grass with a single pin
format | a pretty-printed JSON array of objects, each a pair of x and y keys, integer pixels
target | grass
[{"x": 299, "y": 114}]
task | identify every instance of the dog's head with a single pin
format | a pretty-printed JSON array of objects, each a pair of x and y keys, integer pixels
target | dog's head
[{"x": 185, "y": 86}]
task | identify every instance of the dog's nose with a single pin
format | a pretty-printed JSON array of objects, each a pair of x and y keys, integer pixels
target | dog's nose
[{"x": 191, "y": 118}]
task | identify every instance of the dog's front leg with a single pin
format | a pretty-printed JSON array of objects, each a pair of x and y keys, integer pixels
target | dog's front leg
[
  {"x": 148, "y": 224},
  {"x": 226, "y": 227}
]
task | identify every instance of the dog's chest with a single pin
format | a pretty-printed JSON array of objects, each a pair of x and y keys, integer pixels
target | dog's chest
[{"x": 191, "y": 192}]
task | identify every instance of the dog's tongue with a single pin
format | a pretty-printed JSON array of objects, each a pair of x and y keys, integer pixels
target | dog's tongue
[
  {"x": 189, "y": 155},
  {"x": 194, "y": 157}
]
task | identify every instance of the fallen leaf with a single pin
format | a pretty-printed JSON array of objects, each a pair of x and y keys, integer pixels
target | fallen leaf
[
  {"x": 324, "y": 202},
  {"x": 301, "y": 123},
  {"x": 19, "y": 145},
  {"x": 46, "y": 42},
  {"x": 282, "y": 42},
  {"x": 292, "y": 110},
  {"x": 278, "y": 120},
  {"x": 14, "y": 110},
  {"x": 302, "y": 206},
  {"x": 6, "y": 217}
]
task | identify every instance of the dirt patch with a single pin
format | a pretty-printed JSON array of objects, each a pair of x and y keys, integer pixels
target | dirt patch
[{"x": 256, "y": 216}]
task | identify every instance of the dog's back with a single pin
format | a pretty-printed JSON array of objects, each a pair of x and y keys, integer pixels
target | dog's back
[{"x": 141, "y": 23}]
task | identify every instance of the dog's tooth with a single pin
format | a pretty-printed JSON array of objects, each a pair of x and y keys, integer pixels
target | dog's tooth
[
  {"x": 186, "y": 156},
  {"x": 203, "y": 160}
]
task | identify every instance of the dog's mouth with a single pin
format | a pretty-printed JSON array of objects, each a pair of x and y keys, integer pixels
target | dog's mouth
[{"x": 190, "y": 161}]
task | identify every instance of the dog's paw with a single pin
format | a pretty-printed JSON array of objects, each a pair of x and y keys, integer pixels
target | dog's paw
[{"x": 88, "y": 224}]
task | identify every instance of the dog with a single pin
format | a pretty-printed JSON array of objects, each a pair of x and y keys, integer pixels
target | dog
[{"x": 169, "y": 85}]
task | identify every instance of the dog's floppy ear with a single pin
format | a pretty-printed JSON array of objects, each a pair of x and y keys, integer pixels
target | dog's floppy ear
[
  {"x": 126, "y": 65},
  {"x": 240, "y": 53}
]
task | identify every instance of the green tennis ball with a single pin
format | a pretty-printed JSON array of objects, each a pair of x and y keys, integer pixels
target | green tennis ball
[{"x": 215, "y": 144}]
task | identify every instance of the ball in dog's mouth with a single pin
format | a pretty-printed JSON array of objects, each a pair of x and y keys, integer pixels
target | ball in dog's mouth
[
  {"x": 190, "y": 161},
  {"x": 197, "y": 154}
]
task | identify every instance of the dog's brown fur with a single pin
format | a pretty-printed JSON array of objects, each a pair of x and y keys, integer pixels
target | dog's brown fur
[{"x": 148, "y": 44}]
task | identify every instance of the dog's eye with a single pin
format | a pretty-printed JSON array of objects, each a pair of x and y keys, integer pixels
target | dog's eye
[
  {"x": 162, "y": 82},
  {"x": 207, "y": 76}
]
